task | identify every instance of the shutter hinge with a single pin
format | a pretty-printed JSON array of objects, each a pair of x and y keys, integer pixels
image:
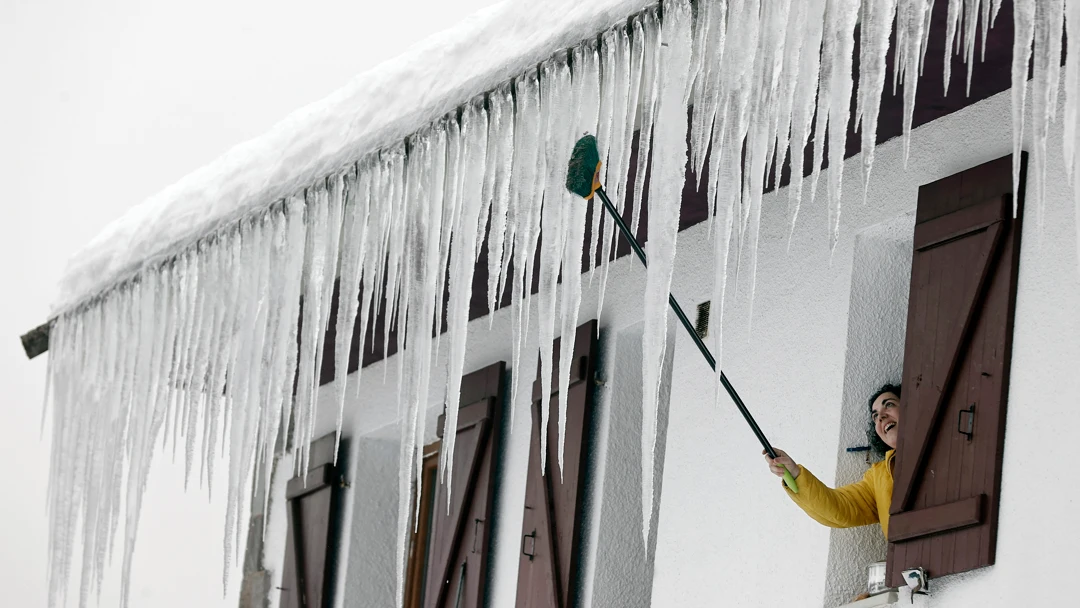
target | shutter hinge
[
  {"x": 971, "y": 421},
  {"x": 476, "y": 532},
  {"x": 531, "y": 552}
]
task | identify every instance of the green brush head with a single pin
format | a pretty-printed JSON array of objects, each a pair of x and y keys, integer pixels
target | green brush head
[{"x": 584, "y": 163}]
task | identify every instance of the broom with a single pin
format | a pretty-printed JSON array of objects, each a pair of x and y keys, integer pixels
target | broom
[{"x": 583, "y": 179}]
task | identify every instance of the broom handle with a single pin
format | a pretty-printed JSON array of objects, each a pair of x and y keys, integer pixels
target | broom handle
[{"x": 788, "y": 479}]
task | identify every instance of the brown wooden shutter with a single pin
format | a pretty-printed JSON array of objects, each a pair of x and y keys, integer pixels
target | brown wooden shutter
[
  {"x": 551, "y": 529},
  {"x": 458, "y": 550},
  {"x": 311, "y": 503},
  {"x": 947, "y": 473}
]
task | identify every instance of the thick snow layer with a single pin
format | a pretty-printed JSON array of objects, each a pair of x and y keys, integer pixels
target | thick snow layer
[{"x": 377, "y": 108}]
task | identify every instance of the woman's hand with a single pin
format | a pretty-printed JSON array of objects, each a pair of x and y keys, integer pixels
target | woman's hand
[{"x": 782, "y": 460}]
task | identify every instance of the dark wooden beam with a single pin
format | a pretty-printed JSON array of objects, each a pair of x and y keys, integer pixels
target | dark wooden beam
[{"x": 36, "y": 341}]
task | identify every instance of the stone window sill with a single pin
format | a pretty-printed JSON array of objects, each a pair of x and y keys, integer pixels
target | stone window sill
[{"x": 880, "y": 600}]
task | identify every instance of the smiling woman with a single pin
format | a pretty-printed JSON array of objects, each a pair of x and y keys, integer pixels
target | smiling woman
[{"x": 866, "y": 501}]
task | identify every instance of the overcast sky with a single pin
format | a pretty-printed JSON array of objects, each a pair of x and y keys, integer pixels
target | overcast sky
[{"x": 102, "y": 104}]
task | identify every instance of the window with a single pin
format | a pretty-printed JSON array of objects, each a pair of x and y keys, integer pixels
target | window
[
  {"x": 311, "y": 501},
  {"x": 449, "y": 551},
  {"x": 551, "y": 528}
]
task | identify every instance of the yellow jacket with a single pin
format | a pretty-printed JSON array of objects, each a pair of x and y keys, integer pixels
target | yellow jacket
[{"x": 858, "y": 504}]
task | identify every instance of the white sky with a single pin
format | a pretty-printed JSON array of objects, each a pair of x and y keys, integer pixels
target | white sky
[{"x": 102, "y": 104}]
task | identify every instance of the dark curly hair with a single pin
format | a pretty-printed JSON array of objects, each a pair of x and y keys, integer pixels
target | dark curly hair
[{"x": 878, "y": 446}]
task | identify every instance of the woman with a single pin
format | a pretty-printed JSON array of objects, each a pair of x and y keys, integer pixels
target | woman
[{"x": 866, "y": 501}]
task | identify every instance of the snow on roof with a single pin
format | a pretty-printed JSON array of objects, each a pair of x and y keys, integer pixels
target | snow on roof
[{"x": 379, "y": 107}]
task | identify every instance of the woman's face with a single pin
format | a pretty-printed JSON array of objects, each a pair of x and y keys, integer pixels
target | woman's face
[{"x": 886, "y": 416}]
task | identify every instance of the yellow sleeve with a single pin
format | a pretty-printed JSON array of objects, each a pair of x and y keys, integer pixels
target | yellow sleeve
[{"x": 845, "y": 507}]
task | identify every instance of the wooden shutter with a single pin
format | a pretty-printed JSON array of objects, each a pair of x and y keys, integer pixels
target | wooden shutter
[
  {"x": 551, "y": 529},
  {"x": 311, "y": 503},
  {"x": 458, "y": 550},
  {"x": 947, "y": 473}
]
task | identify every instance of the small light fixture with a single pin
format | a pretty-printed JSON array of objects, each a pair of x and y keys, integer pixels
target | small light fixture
[
  {"x": 917, "y": 581},
  {"x": 701, "y": 326}
]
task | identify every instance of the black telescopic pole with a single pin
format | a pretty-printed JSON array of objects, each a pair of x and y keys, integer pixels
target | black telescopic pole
[{"x": 689, "y": 328}]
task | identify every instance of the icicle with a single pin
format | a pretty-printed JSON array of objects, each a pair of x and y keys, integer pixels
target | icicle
[
  {"x": 353, "y": 245},
  {"x": 204, "y": 322},
  {"x": 1071, "y": 118},
  {"x": 913, "y": 21},
  {"x": 526, "y": 199},
  {"x": 392, "y": 196},
  {"x": 789, "y": 81},
  {"x": 236, "y": 389},
  {"x": 261, "y": 365},
  {"x": 474, "y": 127},
  {"x": 609, "y": 85},
  {"x": 315, "y": 276},
  {"x": 1024, "y": 32},
  {"x": 665, "y": 196},
  {"x": 451, "y": 201},
  {"x": 173, "y": 414},
  {"x": 806, "y": 97},
  {"x": 501, "y": 155},
  {"x": 874, "y": 47},
  {"x": 178, "y": 321},
  {"x": 87, "y": 482},
  {"x": 555, "y": 83},
  {"x": 584, "y": 112},
  {"x": 618, "y": 157},
  {"x": 763, "y": 121},
  {"x": 296, "y": 213},
  {"x": 824, "y": 96},
  {"x": 487, "y": 183},
  {"x": 649, "y": 28},
  {"x": 145, "y": 424},
  {"x": 180, "y": 385},
  {"x": 701, "y": 24},
  {"x": 1049, "y": 17},
  {"x": 405, "y": 495},
  {"x": 370, "y": 180},
  {"x": 587, "y": 75},
  {"x": 425, "y": 208},
  {"x": 951, "y": 28},
  {"x": 380, "y": 194},
  {"x": 335, "y": 193},
  {"x": 985, "y": 22},
  {"x": 971, "y": 26},
  {"x": 410, "y": 404},
  {"x": 842, "y": 32},
  {"x": 218, "y": 254},
  {"x": 284, "y": 300}
]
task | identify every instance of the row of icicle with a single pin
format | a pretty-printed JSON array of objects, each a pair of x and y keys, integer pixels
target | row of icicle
[{"x": 201, "y": 351}]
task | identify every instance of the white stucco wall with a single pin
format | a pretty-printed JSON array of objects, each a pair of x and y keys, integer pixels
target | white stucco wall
[
  {"x": 725, "y": 534},
  {"x": 618, "y": 568},
  {"x": 877, "y": 324}
]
